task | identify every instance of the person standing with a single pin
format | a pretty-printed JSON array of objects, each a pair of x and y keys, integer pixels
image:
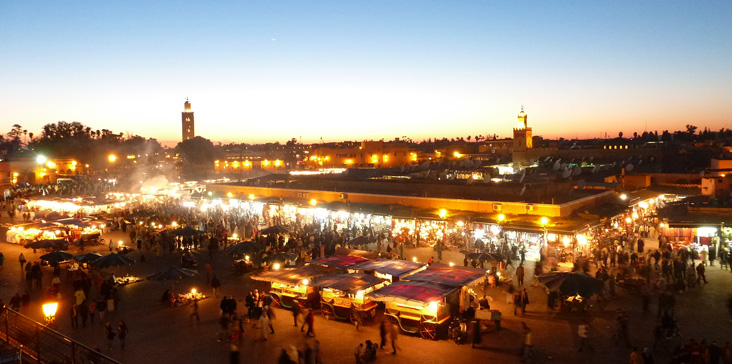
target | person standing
[
  {"x": 382, "y": 333},
  {"x": 21, "y": 259},
  {"x": 123, "y": 330},
  {"x": 527, "y": 351},
  {"x": 524, "y": 301},
  {"x": 194, "y": 311},
  {"x": 296, "y": 312},
  {"x": 357, "y": 352}
]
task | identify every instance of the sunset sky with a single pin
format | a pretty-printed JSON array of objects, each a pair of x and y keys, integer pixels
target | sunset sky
[{"x": 259, "y": 71}]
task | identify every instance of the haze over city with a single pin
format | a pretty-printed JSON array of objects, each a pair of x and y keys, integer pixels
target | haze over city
[{"x": 260, "y": 71}]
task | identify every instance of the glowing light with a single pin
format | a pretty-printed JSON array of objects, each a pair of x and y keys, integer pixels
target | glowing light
[
  {"x": 543, "y": 221},
  {"x": 174, "y": 224},
  {"x": 551, "y": 237},
  {"x": 251, "y": 196},
  {"x": 41, "y": 160},
  {"x": 643, "y": 204},
  {"x": 457, "y": 154},
  {"x": 276, "y": 266},
  {"x": 230, "y": 195},
  {"x": 452, "y": 264},
  {"x": 49, "y": 309},
  {"x": 313, "y": 202},
  {"x": 112, "y": 158},
  {"x": 635, "y": 215},
  {"x": 246, "y": 257},
  {"x": 443, "y": 213},
  {"x": 305, "y": 281},
  {"x": 623, "y": 197},
  {"x": 581, "y": 239},
  {"x": 414, "y": 259},
  {"x": 661, "y": 225},
  {"x": 194, "y": 291},
  {"x": 565, "y": 241},
  {"x": 433, "y": 306},
  {"x": 460, "y": 223},
  {"x": 501, "y": 217},
  {"x": 628, "y": 220}
]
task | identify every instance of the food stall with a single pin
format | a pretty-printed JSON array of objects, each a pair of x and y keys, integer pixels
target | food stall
[
  {"x": 293, "y": 286},
  {"x": 390, "y": 269},
  {"x": 418, "y": 307},
  {"x": 343, "y": 296}
]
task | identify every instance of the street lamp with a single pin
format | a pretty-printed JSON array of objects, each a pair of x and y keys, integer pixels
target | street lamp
[
  {"x": 41, "y": 159},
  {"x": 49, "y": 312},
  {"x": 112, "y": 158}
]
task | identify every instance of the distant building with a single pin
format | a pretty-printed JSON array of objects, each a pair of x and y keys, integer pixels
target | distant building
[
  {"x": 187, "y": 122},
  {"x": 367, "y": 154}
]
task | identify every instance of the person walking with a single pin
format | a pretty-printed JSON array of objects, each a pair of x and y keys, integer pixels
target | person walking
[
  {"x": 700, "y": 270},
  {"x": 21, "y": 259},
  {"x": 527, "y": 353},
  {"x": 520, "y": 274},
  {"x": 271, "y": 316},
  {"x": 109, "y": 334},
  {"x": 393, "y": 335},
  {"x": 264, "y": 324},
  {"x": 583, "y": 331},
  {"x": 524, "y": 301},
  {"x": 123, "y": 330},
  {"x": 382, "y": 333},
  {"x": 215, "y": 285},
  {"x": 309, "y": 320},
  {"x": 296, "y": 312},
  {"x": 194, "y": 311}
]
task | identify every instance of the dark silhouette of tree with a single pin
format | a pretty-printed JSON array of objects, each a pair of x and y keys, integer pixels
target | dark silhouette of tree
[{"x": 197, "y": 157}]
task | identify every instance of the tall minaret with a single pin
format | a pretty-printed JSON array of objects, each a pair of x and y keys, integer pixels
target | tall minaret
[
  {"x": 187, "y": 121},
  {"x": 522, "y": 139}
]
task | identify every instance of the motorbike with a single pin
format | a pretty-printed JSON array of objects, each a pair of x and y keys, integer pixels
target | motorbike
[{"x": 458, "y": 331}]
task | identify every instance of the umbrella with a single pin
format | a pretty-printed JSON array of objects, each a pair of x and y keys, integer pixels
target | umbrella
[
  {"x": 570, "y": 284},
  {"x": 48, "y": 243},
  {"x": 172, "y": 273},
  {"x": 87, "y": 258},
  {"x": 277, "y": 229},
  {"x": 112, "y": 260},
  {"x": 57, "y": 256},
  {"x": 244, "y": 248},
  {"x": 187, "y": 231},
  {"x": 486, "y": 257},
  {"x": 361, "y": 240},
  {"x": 280, "y": 257}
]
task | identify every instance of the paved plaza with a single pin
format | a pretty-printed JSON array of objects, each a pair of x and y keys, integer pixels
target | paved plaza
[{"x": 161, "y": 334}]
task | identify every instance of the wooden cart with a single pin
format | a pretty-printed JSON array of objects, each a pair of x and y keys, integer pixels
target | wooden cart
[{"x": 343, "y": 297}]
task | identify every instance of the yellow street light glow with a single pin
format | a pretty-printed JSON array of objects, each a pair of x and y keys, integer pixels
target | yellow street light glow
[
  {"x": 565, "y": 240},
  {"x": 501, "y": 217},
  {"x": 457, "y": 154},
  {"x": 443, "y": 213},
  {"x": 251, "y": 196},
  {"x": 112, "y": 157},
  {"x": 40, "y": 159},
  {"x": 661, "y": 225},
  {"x": 414, "y": 259},
  {"x": 452, "y": 264},
  {"x": 276, "y": 266},
  {"x": 230, "y": 195},
  {"x": 305, "y": 281},
  {"x": 194, "y": 291},
  {"x": 623, "y": 197},
  {"x": 234, "y": 236},
  {"x": 313, "y": 202},
  {"x": 544, "y": 221},
  {"x": 628, "y": 220},
  {"x": 174, "y": 224},
  {"x": 246, "y": 257}
]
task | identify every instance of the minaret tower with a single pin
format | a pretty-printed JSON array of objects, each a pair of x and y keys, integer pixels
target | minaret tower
[
  {"x": 522, "y": 139},
  {"x": 187, "y": 121}
]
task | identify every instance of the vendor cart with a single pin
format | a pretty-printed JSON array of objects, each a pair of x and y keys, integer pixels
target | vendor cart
[
  {"x": 417, "y": 307},
  {"x": 392, "y": 270},
  {"x": 293, "y": 286},
  {"x": 343, "y": 296}
]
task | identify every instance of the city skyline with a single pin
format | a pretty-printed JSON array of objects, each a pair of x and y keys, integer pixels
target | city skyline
[{"x": 258, "y": 72}]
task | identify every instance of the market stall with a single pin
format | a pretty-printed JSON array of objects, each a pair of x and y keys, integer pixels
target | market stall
[
  {"x": 343, "y": 296},
  {"x": 338, "y": 262},
  {"x": 390, "y": 269},
  {"x": 293, "y": 286}
]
